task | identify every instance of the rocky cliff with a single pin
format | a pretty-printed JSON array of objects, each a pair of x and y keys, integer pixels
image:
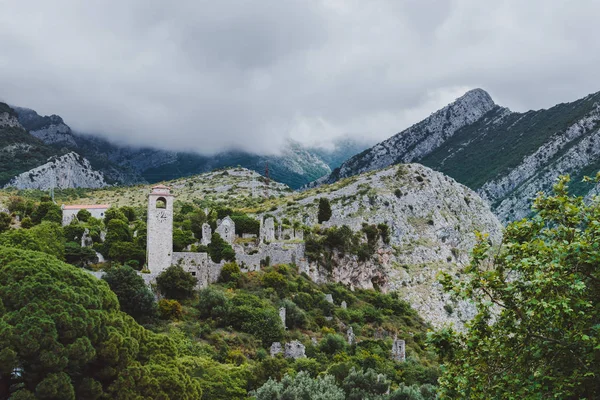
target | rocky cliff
[
  {"x": 420, "y": 139},
  {"x": 507, "y": 157},
  {"x": 432, "y": 221},
  {"x": 68, "y": 171}
]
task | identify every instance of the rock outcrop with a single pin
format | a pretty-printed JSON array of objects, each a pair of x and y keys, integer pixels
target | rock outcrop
[
  {"x": 507, "y": 157},
  {"x": 432, "y": 221},
  {"x": 68, "y": 171}
]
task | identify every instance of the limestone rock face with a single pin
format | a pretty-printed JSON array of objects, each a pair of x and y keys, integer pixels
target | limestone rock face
[
  {"x": 8, "y": 120},
  {"x": 420, "y": 139},
  {"x": 68, "y": 171},
  {"x": 432, "y": 221}
]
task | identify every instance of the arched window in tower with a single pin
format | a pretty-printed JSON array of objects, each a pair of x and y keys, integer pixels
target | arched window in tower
[{"x": 161, "y": 202}]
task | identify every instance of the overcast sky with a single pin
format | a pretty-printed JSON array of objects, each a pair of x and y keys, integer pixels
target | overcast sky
[{"x": 208, "y": 75}]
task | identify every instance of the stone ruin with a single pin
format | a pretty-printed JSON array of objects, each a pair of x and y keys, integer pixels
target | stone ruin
[
  {"x": 344, "y": 305},
  {"x": 276, "y": 349},
  {"x": 267, "y": 230},
  {"x": 294, "y": 350},
  {"x": 399, "y": 350},
  {"x": 206, "y": 234},
  {"x": 282, "y": 316},
  {"x": 350, "y": 336},
  {"x": 329, "y": 298},
  {"x": 226, "y": 229}
]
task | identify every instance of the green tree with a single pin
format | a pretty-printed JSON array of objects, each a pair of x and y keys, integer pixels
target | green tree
[
  {"x": 46, "y": 208},
  {"x": 114, "y": 213},
  {"x": 79, "y": 256},
  {"x": 536, "y": 334},
  {"x": 360, "y": 385},
  {"x": 62, "y": 336},
  {"x": 46, "y": 237},
  {"x": 5, "y": 220},
  {"x": 175, "y": 283},
  {"x": 300, "y": 387},
  {"x": 83, "y": 215},
  {"x": 219, "y": 249},
  {"x": 230, "y": 273},
  {"x": 182, "y": 239},
  {"x": 134, "y": 296},
  {"x": 324, "y": 210}
]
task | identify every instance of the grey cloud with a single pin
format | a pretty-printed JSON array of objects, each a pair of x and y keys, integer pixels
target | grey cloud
[{"x": 208, "y": 75}]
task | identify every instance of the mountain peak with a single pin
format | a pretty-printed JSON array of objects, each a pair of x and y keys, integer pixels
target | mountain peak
[{"x": 476, "y": 96}]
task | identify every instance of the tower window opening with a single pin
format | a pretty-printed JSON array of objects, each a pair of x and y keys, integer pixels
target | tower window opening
[{"x": 161, "y": 202}]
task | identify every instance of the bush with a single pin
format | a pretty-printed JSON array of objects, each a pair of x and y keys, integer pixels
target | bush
[
  {"x": 5, "y": 220},
  {"x": 332, "y": 343},
  {"x": 169, "y": 309},
  {"x": 83, "y": 215},
  {"x": 230, "y": 273},
  {"x": 300, "y": 387},
  {"x": 175, "y": 283},
  {"x": 26, "y": 223},
  {"x": 213, "y": 303},
  {"x": 275, "y": 280}
]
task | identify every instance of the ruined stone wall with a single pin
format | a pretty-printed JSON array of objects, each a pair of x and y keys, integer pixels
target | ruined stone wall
[
  {"x": 278, "y": 253},
  {"x": 200, "y": 266}
]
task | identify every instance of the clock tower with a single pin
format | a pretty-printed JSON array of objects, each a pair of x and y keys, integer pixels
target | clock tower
[{"x": 159, "y": 248}]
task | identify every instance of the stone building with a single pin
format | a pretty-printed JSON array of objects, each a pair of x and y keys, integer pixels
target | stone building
[
  {"x": 159, "y": 229},
  {"x": 70, "y": 212},
  {"x": 160, "y": 254}
]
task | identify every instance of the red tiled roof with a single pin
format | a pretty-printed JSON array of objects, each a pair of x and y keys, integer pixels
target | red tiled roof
[{"x": 85, "y": 206}]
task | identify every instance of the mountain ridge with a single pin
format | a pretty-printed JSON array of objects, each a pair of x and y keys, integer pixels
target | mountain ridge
[{"x": 507, "y": 157}]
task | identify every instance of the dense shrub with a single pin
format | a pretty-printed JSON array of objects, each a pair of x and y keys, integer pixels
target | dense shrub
[
  {"x": 169, "y": 309},
  {"x": 175, "y": 283},
  {"x": 134, "y": 296}
]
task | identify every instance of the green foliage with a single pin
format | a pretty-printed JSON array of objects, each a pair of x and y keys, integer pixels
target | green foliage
[
  {"x": 170, "y": 309},
  {"x": 230, "y": 273},
  {"x": 112, "y": 214},
  {"x": 83, "y": 215},
  {"x": 465, "y": 156},
  {"x": 219, "y": 249},
  {"x": 26, "y": 223},
  {"x": 125, "y": 252},
  {"x": 245, "y": 224},
  {"x": 175, "y": 283},
  {"x": 300, "y": 387},
  {"x": 5, "y": 220},
  {"x": 46, "y": 211},
  {"x": 368, "y": 384},
  {"x": 46, "y": 237},
  {"x": 79, "y": 256},
  {"x": 182, "y": 239},
  {"x": 62, "y": 336},
  {"x": 536, "y": 334},
  {"x": 134, "y": 296},
  {"x": 324, "y": 213}
]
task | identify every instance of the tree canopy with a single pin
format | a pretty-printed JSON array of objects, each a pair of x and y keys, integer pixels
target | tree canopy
[
  {"x": 537, "y": 331},
  {"x": 62, "y": 336}
]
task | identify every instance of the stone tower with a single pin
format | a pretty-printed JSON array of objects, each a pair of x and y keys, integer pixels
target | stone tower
[{"x": 159, "y": 248}]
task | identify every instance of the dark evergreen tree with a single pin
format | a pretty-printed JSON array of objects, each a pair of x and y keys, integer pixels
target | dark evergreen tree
[{"x": 324, "y": 210}]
